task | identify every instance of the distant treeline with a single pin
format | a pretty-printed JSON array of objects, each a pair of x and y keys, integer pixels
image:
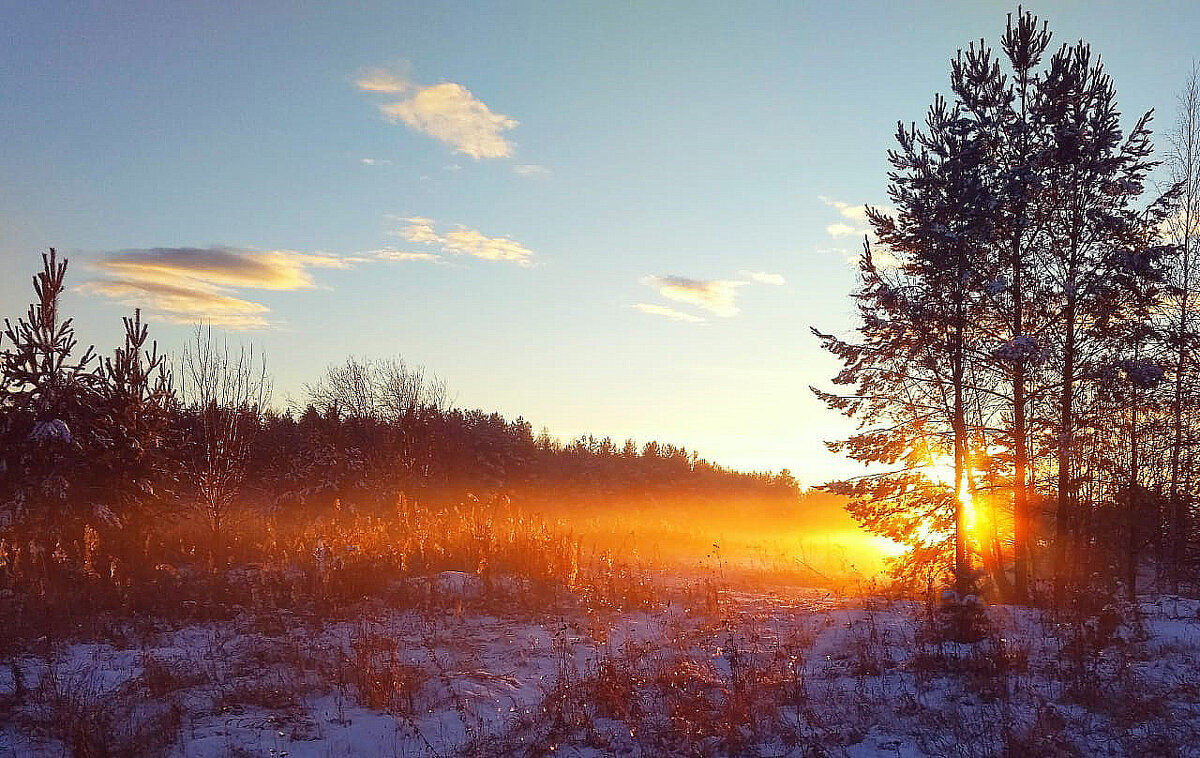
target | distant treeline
[
  {"x": 115, "y": 447},
  {"x": 441, "y": 453}
]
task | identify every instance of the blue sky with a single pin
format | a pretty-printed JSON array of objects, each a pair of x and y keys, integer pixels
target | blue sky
[{"x": 577, "y": 213}]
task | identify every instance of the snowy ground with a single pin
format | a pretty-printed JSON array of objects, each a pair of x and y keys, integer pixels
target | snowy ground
[{"x": 790, "y": 672}]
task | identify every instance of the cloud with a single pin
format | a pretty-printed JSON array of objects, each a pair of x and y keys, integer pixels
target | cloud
[
  {"x": 842, "y": 230},
  {"x": 383, "y": 81},
  {"x": 420, "y": 230},
  {"x": 667, "y": 312},
  {"x": 387, "y": 254},
  {"x": 883, "y": 256},
  {"x": 235, "y": 267},
  {"x": 183, "y": 304},
  {"x": 448, "y": 112},
  {"x": 762, "y": 277},
  {"x": 717, "y": 296},
  {"x": 375, "y": 161},
  {"x": 853, "y": 212},
  {"x": 463, "y": 241},
  {"x": 186, "y": 285},
  {"x": 531, "y": 169},
  {"x": 471, "y": 242}
]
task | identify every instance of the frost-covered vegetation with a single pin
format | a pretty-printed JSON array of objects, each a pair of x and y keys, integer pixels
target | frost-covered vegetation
[{"x": 452, "y": 664}]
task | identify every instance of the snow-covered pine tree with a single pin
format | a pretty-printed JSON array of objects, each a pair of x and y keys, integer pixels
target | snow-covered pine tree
[
  {"x": 912, "y": 368},
  {"x": 138, "y": 440},
  {"x": 47, "y": 423},
  {"x": 1094, "y": 175}
]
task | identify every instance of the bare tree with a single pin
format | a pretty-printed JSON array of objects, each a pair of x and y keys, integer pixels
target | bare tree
[
  {"x": 1183, "y": 160},
  {"x": 405, "y": 389},
  {"x": 387, "y": 389},
  {"x": 226, "y": 391},
  {"x": 348, "y": 390}
]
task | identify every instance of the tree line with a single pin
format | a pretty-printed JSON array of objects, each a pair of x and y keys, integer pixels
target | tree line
[
  {"x": 105, "y": 450},
  {"x": 1027, "y": 325}
]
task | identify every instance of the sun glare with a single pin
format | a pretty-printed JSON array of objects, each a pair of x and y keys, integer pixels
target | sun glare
[
  {"x": 941, "y": 471},
  {"x": 968, "y": 503}
]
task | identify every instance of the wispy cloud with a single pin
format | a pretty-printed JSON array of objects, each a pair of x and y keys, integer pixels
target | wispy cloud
[
  {"x": 183, "y": 303},
  {"x": 420, "y": 230},
  {"x": 717, "y": 296},
  {"x": 762, "y": 277},
  {"x": 375, "y": 161},
  {"x": 463, "y": 241},
  {"x": 856, "y": 214},
  {"x": 228, "y": 266},
  {"x": 667, "y": 312},
  {"x": 531, "y": 169},
  {"x": 471, "y": 242},
  {"x": 384, "y": 81},
  {"x": 448, "y": 112},
  {"x": 840, "y": 229},
  {"x": 185, "y": 285},
  {"x": 388, "y": 254}
]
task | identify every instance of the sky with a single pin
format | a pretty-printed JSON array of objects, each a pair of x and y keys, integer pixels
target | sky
[{"x": 610, "y": 218}]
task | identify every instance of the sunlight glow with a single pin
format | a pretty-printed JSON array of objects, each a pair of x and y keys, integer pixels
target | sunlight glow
[
  {"x": 968, "y": 503},
  {"x": 887, "y": 548},
  {"x": 941, "y": 471}
]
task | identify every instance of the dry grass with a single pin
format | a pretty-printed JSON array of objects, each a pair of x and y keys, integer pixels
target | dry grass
[
  {"x": 371, "y": 608},
  {"x": 96, "y": 721}
]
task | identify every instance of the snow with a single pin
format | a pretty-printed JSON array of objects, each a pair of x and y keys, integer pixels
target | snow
[
  {"x": 54, "y": 430},
  {"x": 778, "y": 673}
]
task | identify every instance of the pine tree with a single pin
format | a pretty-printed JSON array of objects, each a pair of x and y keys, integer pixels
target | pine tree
[
  {"x": 136, "y": 458},
  {"x": 1024, "y": 274},
  {"x": 48, "y": 412},
  {"x": 1093, "y": 174}
]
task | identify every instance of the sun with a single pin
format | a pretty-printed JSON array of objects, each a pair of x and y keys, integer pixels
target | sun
[
  {"x": 968, "y": 503},
  {"x": 941, "y": 471}
]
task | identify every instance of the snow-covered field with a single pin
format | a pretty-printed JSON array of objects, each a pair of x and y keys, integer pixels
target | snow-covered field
[{"x": 789, "y": 672}]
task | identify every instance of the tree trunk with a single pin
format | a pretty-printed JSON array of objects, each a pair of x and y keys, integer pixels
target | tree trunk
[
  {"x": 1063, "y": 526},
  {"x": 1132, "y": 544},
  {"x": 1021, "y": 521}
]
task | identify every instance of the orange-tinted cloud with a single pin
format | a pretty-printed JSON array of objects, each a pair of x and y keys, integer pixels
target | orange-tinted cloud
[
  {"x": 201, "y": 284},
  {"x": 856, "y": 215},
  {"x": 383, "y": 81},
  {"x": 183, "y": 304}
]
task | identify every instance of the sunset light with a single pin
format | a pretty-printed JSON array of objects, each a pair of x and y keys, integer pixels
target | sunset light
[{"x": 968, "y": 503}]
